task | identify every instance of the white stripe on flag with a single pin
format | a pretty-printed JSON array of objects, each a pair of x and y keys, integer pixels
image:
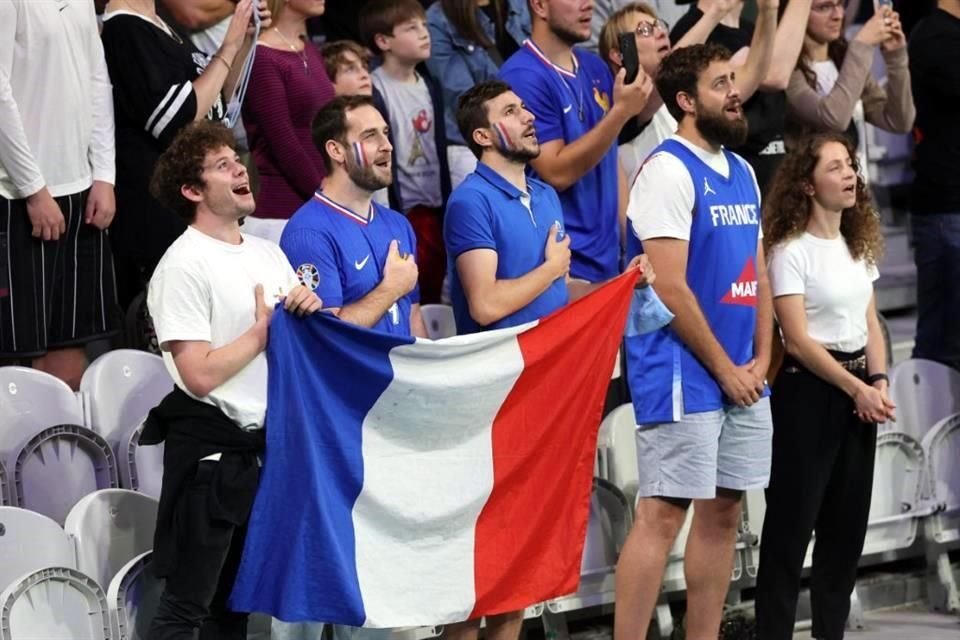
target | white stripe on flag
[{"x": 441, "y": 398}]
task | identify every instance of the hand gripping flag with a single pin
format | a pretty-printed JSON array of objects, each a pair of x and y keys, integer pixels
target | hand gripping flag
[{"x": 409, "y": 482}]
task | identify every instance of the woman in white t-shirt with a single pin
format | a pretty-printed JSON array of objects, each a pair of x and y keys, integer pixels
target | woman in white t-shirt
[{"x": 823, "y": 240}]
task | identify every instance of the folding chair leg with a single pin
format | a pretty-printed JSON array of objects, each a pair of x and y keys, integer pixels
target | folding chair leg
[
  {"x": 663, "y": 628},
  {"x": 949, "y": 598}
]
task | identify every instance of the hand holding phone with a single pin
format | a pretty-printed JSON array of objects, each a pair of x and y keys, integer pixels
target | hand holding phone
[{"x": 629, "y": 59}]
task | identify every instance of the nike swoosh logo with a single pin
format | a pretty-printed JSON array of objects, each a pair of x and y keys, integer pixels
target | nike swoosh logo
[
  {"x": 567, "y": 108},
  {"x": 360, "y": 264}
]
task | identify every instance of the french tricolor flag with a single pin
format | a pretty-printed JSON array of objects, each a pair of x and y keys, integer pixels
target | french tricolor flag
[{"x": 410, "y": 482}]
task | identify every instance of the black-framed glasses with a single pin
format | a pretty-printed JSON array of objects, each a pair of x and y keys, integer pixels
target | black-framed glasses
[{"x": 646, "y": 29}]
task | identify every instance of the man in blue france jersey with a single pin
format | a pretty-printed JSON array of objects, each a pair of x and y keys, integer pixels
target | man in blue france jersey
[
  {"x": 580, "y": 109},
  {"x": 505, "y": 239},
  {"x": 698, "y": 385},
  {"x": 358, "y": 253}
]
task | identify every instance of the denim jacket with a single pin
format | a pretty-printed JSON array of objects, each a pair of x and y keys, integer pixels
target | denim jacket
[{"x": 460, "y": 63}]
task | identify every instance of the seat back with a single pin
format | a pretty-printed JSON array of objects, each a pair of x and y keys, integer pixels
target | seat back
[
  {"x": 110, "y": 527},
  {"x": 31, "y": 400},
  {"x": 942, "y": 445},
  {"x": 925, "y": 392},
  {"x": 29, "y": 542},
  {"x": 439, "y": 321},
  {"x": 55, "y": 602},
  {"x": 121, "y": 387},
  {"x": 617, "y": 447},
  {"x": 133, "y": 596},
  {"x": 141, "y": 467},
  {"x": 60, "y": 465},
  {"x": 4, "y": 490},
  {"x": 898, "y": 490}
]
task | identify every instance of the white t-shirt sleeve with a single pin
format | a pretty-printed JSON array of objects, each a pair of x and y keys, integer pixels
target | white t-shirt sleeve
[
  {"x": 662, "y": 199},
  {"x": 787, "y": 270},
  {"x": 873, "y": 273},
  {"x": 179, "y": 302}
]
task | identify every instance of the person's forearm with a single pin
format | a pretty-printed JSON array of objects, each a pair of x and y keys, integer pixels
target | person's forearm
[
  {"x": 508, "y": 296},
  {"x": 102, "y": 152},
  {"x": 701, "y": 30},
  {"x": 815, "y": 357},
  {"x": 236, "y": 68},
  {"x": 753, "y": 72},
  {"x": 368, "y": 310},
  {"x": 834, "y": 110},
  {"x": 788, "y": 44},
  {"x": 876, "y": 347},
  {"x": 15, "y": 153},
  {"x": 899, "y": 111},
  {"x": 209, "y": 85},
  {"x": 691, "y": 325},
  {"x": 763, "y": 334},
  {"x": 203, "y": 375},
  {"x": 575, "y": 159}
]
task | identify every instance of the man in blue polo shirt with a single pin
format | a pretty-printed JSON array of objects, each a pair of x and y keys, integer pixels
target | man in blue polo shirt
[
  {"x": 358, "y": 253},
  {"x": 699, "y": 391},
  {"x": 509, "y": 255},
  {"x": 580, "y": 109}
]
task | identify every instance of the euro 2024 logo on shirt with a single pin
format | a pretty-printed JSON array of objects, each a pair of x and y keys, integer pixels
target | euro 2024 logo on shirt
[{"x": 309, "y": 276}]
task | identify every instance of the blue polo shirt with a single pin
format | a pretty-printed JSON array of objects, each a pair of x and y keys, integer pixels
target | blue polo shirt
[
  {"x": 487, "y": 212},
  {"x": 340, "y": 254},
  {"x": 558, "y": 98}
]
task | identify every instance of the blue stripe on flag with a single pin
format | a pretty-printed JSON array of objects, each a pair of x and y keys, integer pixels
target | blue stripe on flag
[{"x": 317, "y": 401}]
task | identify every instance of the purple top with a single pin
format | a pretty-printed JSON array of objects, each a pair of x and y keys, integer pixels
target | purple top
[{"x": 284, "y": 96}]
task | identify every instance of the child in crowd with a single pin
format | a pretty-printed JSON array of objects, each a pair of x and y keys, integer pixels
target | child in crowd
[
  {"x": 348, "y": 66},
  {"x": 411, "y": 101}
]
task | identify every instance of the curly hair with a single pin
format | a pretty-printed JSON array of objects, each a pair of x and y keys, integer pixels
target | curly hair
[
  {"x": 786, "y": 205},
  {"x": 181, "y": 165}
]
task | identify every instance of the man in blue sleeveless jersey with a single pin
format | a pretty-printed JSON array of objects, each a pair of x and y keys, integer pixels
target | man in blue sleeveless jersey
[
  {"x": 698, "y": 384},
  {"x": 355, "y": 253}
]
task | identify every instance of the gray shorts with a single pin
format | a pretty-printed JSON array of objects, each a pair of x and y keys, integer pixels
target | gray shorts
[{"x": 727, "y": 448}]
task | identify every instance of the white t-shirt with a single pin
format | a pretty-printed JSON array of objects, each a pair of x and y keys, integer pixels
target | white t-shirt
[
  {"x": 662, "y": 197},
  {"x": 632, "y": 154},
  {"x": 412, "y": 132},
  {"x": 203, "y": 289},
  {"x": 836, "y": 289}
]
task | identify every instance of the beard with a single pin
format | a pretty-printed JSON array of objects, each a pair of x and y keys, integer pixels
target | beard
[
  {"x": 568, "y": 36},
  {"x": 366, "y": 177},
  {"x": 517, "y": 154},
  {"x": 718, "y": 130}
]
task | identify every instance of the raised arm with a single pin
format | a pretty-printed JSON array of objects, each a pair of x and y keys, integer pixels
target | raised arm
[{"x": 754, "y": 71}]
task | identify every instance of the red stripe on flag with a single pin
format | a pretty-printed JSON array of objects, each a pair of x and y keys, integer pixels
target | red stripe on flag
[{"x": 530, "y": 533}]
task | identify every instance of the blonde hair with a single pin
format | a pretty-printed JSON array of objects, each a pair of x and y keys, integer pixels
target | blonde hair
[{"x": 617, "y": 24}]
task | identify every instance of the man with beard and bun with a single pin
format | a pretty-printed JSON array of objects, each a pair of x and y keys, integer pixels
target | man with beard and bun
[
  {"x": 705, "y": 430},
  {"x": 358, "y": 255},
  {"x": 509, "y": 255}
]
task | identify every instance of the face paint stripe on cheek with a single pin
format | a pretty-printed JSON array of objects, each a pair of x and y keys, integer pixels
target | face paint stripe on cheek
[
  {"x": 360, "y": 154},
  {"x": 504, "y": 136}
]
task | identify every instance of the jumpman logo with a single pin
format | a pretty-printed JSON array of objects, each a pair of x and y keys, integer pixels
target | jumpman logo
[{"x": 707, "y": 190}]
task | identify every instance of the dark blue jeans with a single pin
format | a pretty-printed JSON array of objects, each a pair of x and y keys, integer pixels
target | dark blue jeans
[{"x": 936, "y": 246}]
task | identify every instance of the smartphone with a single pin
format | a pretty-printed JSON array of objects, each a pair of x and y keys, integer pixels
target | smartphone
[
  {"x": 884, "y": 3},
  {"x": 628, "y": 53}
]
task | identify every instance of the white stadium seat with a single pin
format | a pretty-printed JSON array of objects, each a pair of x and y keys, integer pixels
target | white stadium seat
[
  {"x": 55, "y": 603},
  {"x": 29, "y": 542},
  {"x": 119, "y": 388},
  {"x": 111, "y": 527},
  {"x": 141, "y": 467},
  {"x": 925, "y": 393},
  {"x": 942, "y": 444},
  {"x": 132, "y": 598},
  {"x": 31, "y": 401},
  {"x": 438, "y": 318}
]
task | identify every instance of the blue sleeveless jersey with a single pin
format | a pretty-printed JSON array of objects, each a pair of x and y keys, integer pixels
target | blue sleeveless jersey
[{"x": 666, "y": 379}]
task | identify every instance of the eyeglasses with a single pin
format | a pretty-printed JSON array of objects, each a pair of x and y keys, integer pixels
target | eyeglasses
[
  {"x": 647, "y": 29},
  {"x": 827, "y": 7}
]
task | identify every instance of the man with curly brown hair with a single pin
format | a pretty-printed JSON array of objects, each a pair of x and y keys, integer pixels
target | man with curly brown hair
[{"x": 211, "y": 298}]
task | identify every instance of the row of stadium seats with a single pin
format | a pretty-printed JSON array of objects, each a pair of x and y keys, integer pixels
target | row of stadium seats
[{"x": 57, "y": 446}]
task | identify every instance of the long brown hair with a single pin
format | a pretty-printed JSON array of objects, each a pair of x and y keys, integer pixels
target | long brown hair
[
  {"x": 462, "y": 14},
  {"x": 836, "y": 52},
  {"x": 786, "y": 207}
]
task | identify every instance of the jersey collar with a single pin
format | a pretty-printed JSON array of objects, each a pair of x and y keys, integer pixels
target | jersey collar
[
  {"x": 542, "y": 57},
  {"x": 339, "y": 208}
]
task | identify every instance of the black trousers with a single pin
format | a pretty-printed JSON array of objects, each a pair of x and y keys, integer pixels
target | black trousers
[
  {"x": 197, "y": 588},
  {"x": 821, "y": 479}
]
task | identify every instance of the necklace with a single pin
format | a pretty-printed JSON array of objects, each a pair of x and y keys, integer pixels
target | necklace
[{"x": 300, "y": 52}]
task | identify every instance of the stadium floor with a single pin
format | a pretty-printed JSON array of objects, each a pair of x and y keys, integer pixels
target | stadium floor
[{"x": 906, "y": 624}]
